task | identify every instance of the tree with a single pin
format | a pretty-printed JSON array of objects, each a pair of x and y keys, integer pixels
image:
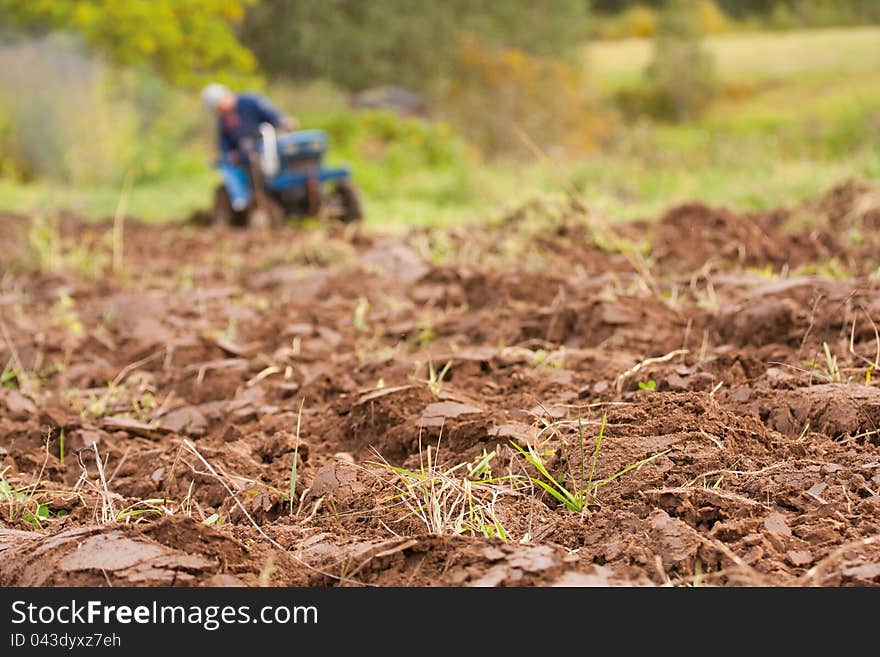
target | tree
[
  {"x": 682, "y": 73},
  {"x": 186, "y": 41},
  {"x": 411, "y": 43}
]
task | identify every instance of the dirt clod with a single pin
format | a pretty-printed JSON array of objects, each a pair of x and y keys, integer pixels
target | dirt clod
[{"x": 738, "y": 391}]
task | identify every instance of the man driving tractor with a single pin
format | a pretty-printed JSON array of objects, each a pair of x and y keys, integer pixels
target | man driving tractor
[
  {"x": 267, "y": 175},
  {"x": 238, "y": 119}
]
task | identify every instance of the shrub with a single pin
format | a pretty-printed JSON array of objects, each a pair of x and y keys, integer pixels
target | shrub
[
  {"x": 634, "y": 22},
  {"x": 397, "y": 155},
  {"x": 83, "y": 139},
  {"x": 639, "y": 21},
  {"x": 711, "y": 18},
  {"x": 187, "y": 41},
  {"x": 682, "y": 75},
  {"x": 110, "y": 121},
  {"x": 409, "y": 43},
  {"x": 501, "y": 97}
]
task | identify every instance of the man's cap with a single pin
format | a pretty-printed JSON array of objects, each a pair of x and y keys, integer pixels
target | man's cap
[{"x": 213, "y": 93}]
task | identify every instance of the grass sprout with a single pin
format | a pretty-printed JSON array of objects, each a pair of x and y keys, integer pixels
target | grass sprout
[
  {"x": 27, "y": 503},
  {"x": 583, "y": 493},
  {"x": 435, "y": 378},
  {"x": 359, "y": 321},
  {"x": 157, "y": 506},
  {"x": 831, "y": 364}
]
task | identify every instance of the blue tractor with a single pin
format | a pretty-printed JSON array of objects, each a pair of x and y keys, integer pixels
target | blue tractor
[{"x": 285, "y": 175}]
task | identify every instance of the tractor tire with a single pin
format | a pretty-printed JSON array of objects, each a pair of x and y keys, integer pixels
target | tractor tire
[
  {"x": 223, "y": 213},
  {"x": 268, "y": 214},
  {"x": 314, "y": 201},
  {"x": 347, "y": 199}
]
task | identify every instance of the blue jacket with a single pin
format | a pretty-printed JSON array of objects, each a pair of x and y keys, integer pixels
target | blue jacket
[{"x": 244, "y": 121}]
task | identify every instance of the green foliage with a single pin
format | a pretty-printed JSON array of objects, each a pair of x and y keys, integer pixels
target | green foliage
[
  {"x": 809, "y": 121},
  {"x": 426, "y": 333},
  {"x": 405, "y": 42},
  {"x": 682, "y": 75},
  {"x": 9, "y": 377},
  {"x": 398, "y": 157},
  {"x": 580, "y": 493},
  {"x": 831, "y": 364},
  {"x": 24, "y": 503},
  {"x": 185, "y": 40},
  {"x": 435, "y": 378},
  {"x": 162, "y": 199},
  {"x": 576, "y": 488},
  {"x": 400, "y": 144}
]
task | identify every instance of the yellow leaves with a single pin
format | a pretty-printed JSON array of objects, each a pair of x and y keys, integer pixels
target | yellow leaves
[
  {"x": 83, "y": 15},
  {"x": 145, "y": 43},
  {"x": 643, "y": 22},
  {"x": 636, "y": 22},
  {"x": 187, "y": 41},
  {"x": 640, "y": 21},
  {"x": 712, "y": 20},
  {"x": 497, "y": 94}
]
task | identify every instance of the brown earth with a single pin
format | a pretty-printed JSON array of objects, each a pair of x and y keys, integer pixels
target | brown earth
[{"x": 733, "y": 360}]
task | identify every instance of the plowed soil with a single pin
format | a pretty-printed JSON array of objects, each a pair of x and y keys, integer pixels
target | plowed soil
[{"x": 732, "y": 357}]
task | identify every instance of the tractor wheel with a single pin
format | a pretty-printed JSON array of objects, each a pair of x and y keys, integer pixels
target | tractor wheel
[
  {"x": 267, "y": 214},
  {"x": 347, "y": 202},
  {"x": 223, "y": 213},
  {"x": 313, "y": 197}
]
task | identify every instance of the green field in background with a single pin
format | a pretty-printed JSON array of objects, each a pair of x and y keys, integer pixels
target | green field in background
[
  {"x": 757, "y": 55},
  {"x": 799, "y": 112}
]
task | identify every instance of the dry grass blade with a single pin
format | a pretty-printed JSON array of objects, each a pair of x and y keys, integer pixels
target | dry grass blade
[
  {"x": 622, "y": 378},
  {"x": 873, "y": 366},
  {"x": 107, "y": 511},
  {"x": 293, "y": 468},
  {"x": 192, "y": 449},
  {"x": 20, "y": 374},
  {"x": 452, "y": 500}
]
